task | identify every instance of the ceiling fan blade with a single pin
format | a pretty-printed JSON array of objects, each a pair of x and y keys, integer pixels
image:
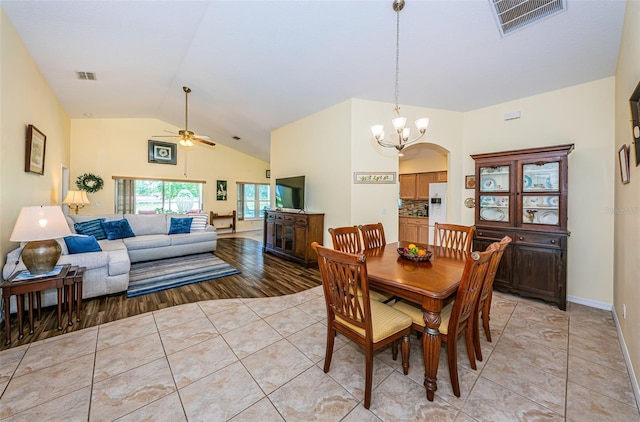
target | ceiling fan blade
[
  {"x": 165, "y": 136},
  {"x": 203, "y": 141},
  {"x": 208, "y": 138}
]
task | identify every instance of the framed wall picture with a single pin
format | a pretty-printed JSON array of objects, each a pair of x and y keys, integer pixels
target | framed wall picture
[
  {"x": 162, "y": 152},
  {"x": 470, "y": 182},
  {"x": 36, "y": 143},
  {"x": 221, "y": 190},
  {"x": 374, "y": 177},
  {"x": 623, "y": 158},
  {"x": 634, "y": 103}
]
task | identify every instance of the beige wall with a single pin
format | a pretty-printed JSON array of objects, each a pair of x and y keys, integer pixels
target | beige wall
[
  {"x": 627, "y": 197},
  {"x": 118, "y": 147},
  {"x": 26, "y": 99},
  {"x": 339, "y": 142},
  {"x": 582, "y": 115}
]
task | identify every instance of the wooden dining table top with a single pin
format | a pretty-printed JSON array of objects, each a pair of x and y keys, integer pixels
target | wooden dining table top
[{"x": 437, "y": 278}]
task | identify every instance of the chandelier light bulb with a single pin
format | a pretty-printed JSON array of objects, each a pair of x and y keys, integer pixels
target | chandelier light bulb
[{"x": 399, "y": 123}]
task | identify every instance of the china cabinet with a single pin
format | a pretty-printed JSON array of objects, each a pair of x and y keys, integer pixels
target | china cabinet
[
  {"x": 290, "y": 234},
  {"x": 523, "y": 194}
]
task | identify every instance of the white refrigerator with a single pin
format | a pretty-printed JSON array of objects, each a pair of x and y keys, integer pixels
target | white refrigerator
[{"x": 437, "y": 207}]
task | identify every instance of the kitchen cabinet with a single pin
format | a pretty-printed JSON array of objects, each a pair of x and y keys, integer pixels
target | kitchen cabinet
[
  {"x": 414, "y": 229},
  {"x": 416, "y": 185},
  {"x": 523, "y": 194},
  {"x": 407, "y": 186},
  {"x": 290, "y": 234}
]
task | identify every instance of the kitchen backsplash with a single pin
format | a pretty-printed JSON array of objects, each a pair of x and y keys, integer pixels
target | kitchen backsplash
[{"x": 412, "y": 207}]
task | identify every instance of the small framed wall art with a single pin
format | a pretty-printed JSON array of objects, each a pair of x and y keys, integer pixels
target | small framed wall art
[
  {"x": 374, "y": 177},
  {"x": 470, "y": 182},
  {"x": 36, "y": 143},
  {"x": 162, "y": 152},
  {"x": 623, "y": 158},
  {"x": 634, "y": 103},
  {"x": 221, "y": 190}
]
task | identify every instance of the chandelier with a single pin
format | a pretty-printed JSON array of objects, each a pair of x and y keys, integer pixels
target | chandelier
[{"x": 399, "y": 123}]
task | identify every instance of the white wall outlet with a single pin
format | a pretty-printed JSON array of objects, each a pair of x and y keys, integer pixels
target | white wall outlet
[
  {"x": 384, "y": 210},
  {"x": 97, "y": 204},
  {"x": 624, "y": 311}
]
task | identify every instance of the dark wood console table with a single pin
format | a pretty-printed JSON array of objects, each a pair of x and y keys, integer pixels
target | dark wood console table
[{"x": 290, "y": 234}]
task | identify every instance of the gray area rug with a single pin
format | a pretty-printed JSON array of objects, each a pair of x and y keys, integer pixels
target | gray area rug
[{"x": 154, "y": 276}]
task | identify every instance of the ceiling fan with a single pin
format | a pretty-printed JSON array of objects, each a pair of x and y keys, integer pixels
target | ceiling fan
[{"x": 187, "y": 137}]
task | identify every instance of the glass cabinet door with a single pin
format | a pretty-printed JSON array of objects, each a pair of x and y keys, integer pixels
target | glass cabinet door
[
  {"x": 541, "y": 193},
  {"x": 494, "y": 193}
]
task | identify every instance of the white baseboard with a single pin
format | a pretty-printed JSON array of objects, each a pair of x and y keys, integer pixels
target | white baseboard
[
  {"x": 591, "y": 303},
  {"x": 625, "y": 352}
]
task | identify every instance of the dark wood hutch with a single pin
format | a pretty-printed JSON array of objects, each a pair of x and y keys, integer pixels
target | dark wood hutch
[{"x": 523, "y": 194}]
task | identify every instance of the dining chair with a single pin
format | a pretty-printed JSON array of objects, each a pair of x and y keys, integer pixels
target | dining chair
[
  {"x": 368, "y": 323},
  {"x": 453, "y": 236},
  {"x": 347, "y": 239},
  {"x": 457, "y": 316},
  {"x": 483, "y": 304},
  {"x": 372, "y": 235}
]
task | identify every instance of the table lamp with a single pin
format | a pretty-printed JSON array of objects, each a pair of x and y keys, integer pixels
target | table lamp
[
  {"x": 40, "y": 226},
  {"x": 76, "y": 199}
]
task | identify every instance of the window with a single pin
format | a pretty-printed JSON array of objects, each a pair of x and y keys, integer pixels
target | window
[
  {"x": 157, "y": 196},
  {"x": 253, "y": 199}
]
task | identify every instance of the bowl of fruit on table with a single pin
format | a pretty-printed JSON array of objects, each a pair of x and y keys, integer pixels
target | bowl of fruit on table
[{"x": 414, "y": 253}]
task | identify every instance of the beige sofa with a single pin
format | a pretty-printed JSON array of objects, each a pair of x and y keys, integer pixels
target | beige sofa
[{"x": 107, "y": 272}]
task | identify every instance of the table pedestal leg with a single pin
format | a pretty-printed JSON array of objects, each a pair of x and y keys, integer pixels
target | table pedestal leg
[
  {"x": 79, "y": 300},
  {"x": 431, "y": 347},
  {"x": 30, "y": 313}
]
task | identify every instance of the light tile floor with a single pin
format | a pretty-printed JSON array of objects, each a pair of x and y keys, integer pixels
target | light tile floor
[{"x": 261, "y": 359}]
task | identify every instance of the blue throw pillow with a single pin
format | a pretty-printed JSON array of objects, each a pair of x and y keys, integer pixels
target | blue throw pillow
[
  {"x": 180, "y": 225},
  {"x": 118, "y": 229},
  {"x": 91, "y": 228},
  {"x": 82, "y": 244}
]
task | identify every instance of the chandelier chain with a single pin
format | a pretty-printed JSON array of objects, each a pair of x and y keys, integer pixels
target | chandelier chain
[{"x": 397, "y": 59}]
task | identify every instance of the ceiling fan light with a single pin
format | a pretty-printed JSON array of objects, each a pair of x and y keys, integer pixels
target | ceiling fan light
[{"x": 189, "y": 143}]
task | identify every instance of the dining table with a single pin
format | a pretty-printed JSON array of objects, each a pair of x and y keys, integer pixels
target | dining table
[{"x": 428, "y": 284}]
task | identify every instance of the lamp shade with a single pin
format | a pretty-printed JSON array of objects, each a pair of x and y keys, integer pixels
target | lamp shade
[
  {"x": 40, "y": 223},
  {"x": 76, "y": 197}
]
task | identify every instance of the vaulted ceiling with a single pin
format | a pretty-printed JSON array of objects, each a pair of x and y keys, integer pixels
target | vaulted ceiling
[{"x": 254, "y": 66}]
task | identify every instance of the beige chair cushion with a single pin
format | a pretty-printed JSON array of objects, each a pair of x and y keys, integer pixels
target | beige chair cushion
[
  {"x": 376, "y": 295},
  {"x": 385, "y": 321},
  {"x": 415, "y": 313}
]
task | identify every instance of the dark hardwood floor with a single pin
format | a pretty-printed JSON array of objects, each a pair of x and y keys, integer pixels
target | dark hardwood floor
[{"x": 262, "y": 275}]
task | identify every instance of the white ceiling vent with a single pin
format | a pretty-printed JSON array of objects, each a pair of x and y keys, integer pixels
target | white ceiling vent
[
  {"x": 512, "y": 15},
  {"x": 86, "y": 76}
]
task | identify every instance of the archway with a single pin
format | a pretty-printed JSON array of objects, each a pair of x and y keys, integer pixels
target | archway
[{"x": 418, "y": 214}]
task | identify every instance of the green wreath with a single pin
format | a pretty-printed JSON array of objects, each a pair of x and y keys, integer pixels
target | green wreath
[{"x": 89, "y": 182}]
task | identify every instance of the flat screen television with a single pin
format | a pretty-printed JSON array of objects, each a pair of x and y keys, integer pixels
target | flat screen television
[{"x": 290, "y": 192}]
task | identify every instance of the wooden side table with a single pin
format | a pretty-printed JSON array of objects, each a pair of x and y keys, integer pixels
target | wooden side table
[
  {"x": 73, "y": 287},
  {"x": 31, "y": 286}
]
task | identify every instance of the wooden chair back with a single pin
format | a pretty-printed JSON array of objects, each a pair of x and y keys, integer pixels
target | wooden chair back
[
  {"x": 342, "y": 275},
  {"x": 346, "y": 239},
  {"x": 372, "y": 236},
  {"x": 473, "y": 275},
  {"x": 483, "y": 304},
  {"x": 453, "y": 236}
]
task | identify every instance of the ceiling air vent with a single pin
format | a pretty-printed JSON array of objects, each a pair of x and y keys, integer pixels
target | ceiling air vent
[
  {"x": 86, "y": 76},
  {"x": 512, "y": 15}
]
